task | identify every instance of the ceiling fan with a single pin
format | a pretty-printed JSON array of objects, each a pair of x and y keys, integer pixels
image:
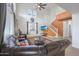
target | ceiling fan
[{"x": 41, "y": 6}]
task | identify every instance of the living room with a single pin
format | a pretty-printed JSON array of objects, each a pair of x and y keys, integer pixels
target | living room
[{"x": 44, "y": 27}]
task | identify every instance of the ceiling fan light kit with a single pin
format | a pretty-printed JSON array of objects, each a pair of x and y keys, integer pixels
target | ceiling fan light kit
[{"x": 41, "y": 6}]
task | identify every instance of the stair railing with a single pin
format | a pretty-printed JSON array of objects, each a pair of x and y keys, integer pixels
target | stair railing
[{"x": 54, "y": 29}]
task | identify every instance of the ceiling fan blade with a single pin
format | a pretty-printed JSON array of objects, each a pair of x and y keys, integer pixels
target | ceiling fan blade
[
  {"x": 43, "y": 4},
  {"x": 39, "y": 4},
  {"x": 43, "y": 7}
]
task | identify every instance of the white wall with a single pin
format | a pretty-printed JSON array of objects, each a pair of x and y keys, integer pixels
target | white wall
[
  {"x": 75, "y": 30},
  {"x": 22, "y": 17}
]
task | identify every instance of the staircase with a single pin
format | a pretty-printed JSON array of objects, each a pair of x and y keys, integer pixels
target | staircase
[{"x": 54, "y": 29}]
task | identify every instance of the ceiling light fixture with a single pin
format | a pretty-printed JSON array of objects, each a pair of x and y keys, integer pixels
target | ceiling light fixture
[{"x": 41, "y": 6}]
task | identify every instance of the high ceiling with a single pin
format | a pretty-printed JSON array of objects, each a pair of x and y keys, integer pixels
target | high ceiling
[
  {"x": 33, "y": 5},
  {"x": 71, "y": 7},
  {"x": 23, "y": 7}
]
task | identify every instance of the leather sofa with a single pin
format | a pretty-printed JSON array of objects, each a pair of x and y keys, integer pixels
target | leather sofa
[
  {"x": 49, "y": 48},
  {"x": 57, "y": 48}
]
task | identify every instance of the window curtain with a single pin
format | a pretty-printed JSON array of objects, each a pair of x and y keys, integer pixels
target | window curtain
[
  {"x": 9, "y": 26},
  {"x": 2, "y": 20}
]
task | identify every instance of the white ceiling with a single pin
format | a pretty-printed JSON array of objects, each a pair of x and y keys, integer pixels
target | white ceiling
[
  {"x": 33, "y": 5},
  {"x": 22, "y": 7},
  {"x": 71, "y": 7}
]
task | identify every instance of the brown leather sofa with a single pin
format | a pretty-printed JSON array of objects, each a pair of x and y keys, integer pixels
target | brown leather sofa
[
  {"x": 50, "y": 48},
  {"x": 57, "y": 48}
]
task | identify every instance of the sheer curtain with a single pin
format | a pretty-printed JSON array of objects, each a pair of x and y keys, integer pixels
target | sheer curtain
[{"x": 9, "y": 25}]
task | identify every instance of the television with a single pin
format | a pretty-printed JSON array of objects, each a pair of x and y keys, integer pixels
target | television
[{"x": 44, "y": 27}]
